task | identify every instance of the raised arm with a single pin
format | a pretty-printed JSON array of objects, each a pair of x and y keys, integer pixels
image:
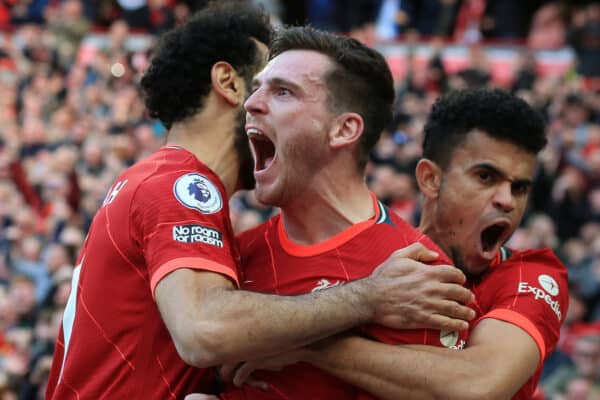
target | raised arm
[{"x": 212, "y": 323}]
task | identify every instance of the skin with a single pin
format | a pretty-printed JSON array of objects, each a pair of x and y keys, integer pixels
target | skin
[
  {"x": 288, "y": 108},
  {"x": 309, "y": 177},
  {"x": 486, "y": 182}
]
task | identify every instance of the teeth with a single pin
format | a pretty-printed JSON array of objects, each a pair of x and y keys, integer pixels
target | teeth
[{"x": 253, "y": 131}]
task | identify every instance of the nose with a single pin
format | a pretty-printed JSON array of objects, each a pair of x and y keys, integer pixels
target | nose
[
  {"x": 255, "y": 103},
  {"x": 503, "y": 197}
]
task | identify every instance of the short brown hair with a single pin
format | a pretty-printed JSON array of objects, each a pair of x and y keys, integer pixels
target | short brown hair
[{"x": 360, "y": 82}]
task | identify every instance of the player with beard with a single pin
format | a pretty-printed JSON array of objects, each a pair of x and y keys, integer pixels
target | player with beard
[
  {"x": 479, "y": 151},
  {"x": 153, "y": 295}
]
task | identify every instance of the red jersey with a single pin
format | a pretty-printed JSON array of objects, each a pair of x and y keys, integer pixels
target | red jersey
[
  {"x": 530, "y": 290},
  {"x": 167, "y": 212},
  {"x": 274, "y": 264}
]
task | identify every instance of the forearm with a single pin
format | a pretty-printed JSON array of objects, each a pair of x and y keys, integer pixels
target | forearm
[
  {"x": 390, "y": 372},
  {"x": 245, "y": 325},
  {"x": 407, "y": 372},
  {"x": 211, "y": 323},
  {"x": 498, "y": 360}
]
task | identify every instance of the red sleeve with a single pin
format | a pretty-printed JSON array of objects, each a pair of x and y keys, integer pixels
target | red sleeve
[
  {"x": 175, "y": 235},
  {"x": 529, "y": 290}
]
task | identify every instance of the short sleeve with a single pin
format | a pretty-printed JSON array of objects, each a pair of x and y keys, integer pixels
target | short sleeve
[
  {"x": 181, "y": 219},
  {"x": 529, "y": 290}
]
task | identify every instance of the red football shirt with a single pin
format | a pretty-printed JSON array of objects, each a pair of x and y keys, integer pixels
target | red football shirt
[
  {"x": 530, "y": 290},
  {"x": 274, "y": 264},
  {"x": 167, "y": 212}
]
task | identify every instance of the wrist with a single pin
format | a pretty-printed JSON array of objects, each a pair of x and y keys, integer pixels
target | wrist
[{"x": 362, "y": 296}]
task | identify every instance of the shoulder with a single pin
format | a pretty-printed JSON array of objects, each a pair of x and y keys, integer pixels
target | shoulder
[
  {"x": 255, "y": 236},
  {"x": 529, "y": 262},
  {"x": 180, "y": 174}
]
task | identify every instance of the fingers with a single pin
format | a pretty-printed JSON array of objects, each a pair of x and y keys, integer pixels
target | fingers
[
  {"x": 416, "y": 251},
  {"x": 243, "y": 376},
  {"x": 257, "y": 384},
  {"x": 444, "y": 323},
  {"x": 200, "y": 396},
  {"x": 455, "y": 292},
  {"x": 448, "y": 274},
  {"x": 454, "y": 310},
  {"x": 242, "y": 373},
  {"x": 227, "y": 371}
]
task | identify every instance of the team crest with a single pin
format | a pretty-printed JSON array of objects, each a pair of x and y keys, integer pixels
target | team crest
[
  {"x": 448, "y": 338},
  {"x": 198, "y": 192}
]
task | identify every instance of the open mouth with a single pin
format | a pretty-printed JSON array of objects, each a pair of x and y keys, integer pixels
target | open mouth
[
  {"x": 262, "y": 148},
  {"x": 493, "y": 236}
]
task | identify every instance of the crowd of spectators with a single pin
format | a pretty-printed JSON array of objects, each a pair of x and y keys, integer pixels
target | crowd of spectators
[{"x": 68, "y": 127}]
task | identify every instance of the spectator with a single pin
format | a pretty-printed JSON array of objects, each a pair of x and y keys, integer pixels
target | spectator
[{"x": 585, "y": 368}]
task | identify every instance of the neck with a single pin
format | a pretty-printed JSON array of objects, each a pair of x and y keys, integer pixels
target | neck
[
  {"x": 210, "y": 136},
  {"x": 330, "y": 206},
  {"x": 427, "y": 226}
]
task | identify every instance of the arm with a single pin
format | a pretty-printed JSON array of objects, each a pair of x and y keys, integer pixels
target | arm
[
  {"x": 211, "y": 323},
  {"x": 499, "y": 359}
]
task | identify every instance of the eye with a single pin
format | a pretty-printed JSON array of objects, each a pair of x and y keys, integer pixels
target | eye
[
  {"x": 520, "y": 189},
  {"x": 282, "y": 91},
  {"x": 484, "y": 176}
]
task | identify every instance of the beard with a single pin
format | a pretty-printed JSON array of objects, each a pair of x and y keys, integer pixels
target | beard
[{"x": 242, "y": 146}]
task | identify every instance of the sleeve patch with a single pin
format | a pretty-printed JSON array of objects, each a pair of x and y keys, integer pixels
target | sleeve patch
[
  {"x": 545, "y": 289},
  {"x": 197, "y": 234},
  {"x": 197, "y": 192}
]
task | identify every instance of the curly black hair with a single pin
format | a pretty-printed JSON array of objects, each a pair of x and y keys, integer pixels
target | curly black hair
[
  {"x": 178, "y": 78},
  {"x": 493, "y": 111},
  {"x": 360, "y": 82}
]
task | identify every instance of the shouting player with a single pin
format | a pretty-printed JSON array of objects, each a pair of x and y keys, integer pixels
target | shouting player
[{"x": 153, "y": 295}]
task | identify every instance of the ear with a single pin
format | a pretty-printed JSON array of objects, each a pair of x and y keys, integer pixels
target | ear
[
  {"x": 429, "y": 178},
  {"x": 227, "y": 83},
  {"x": 346, "y": 129}
]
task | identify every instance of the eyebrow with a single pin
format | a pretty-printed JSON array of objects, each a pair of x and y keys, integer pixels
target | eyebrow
[
  {"x": 502, "y": 174},
  {"x": 277, "y": 82}
]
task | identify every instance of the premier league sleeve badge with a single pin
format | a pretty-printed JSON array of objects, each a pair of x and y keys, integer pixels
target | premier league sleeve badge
[{"x": 197, "y": 192}]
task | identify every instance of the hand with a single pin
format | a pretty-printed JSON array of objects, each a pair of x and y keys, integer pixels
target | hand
[
  {"x": 407, "y": 294},
  {"x": 241, "y": 374}
]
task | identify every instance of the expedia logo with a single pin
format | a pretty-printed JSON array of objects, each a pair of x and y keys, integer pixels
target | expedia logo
[
  {"x": 550, "y": 288},
  {"x": 549, "y": 284}
]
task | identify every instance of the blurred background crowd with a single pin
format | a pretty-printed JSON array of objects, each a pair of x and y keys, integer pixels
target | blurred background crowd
[{"x": 72, "y": 118}]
